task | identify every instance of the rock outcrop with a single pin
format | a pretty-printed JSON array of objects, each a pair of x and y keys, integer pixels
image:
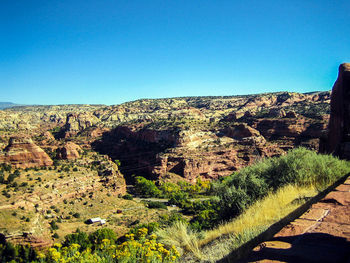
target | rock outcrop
[
  {"x": 76, "y": 123},
  {"x": 111, "y": 177},
  {"x": 22, "y": 152},
  {"x": 338, "y": 138},
  {"x": 70, "y": 151}
]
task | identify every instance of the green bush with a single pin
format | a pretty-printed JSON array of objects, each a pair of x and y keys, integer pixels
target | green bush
[
  {"x": 154, "y": 204},
  {"x": 80, "y": 238},
  {"x": 300, "y": 166},
  {"x": 128, "y": 197},
  {"x": 53, "y": 225},
  {"x": 76, "y": 215},
  {"x": 103, "y": 233},
  {"x": 146, "y": 188}
]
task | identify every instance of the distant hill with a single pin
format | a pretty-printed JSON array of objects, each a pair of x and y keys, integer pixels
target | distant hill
[{"x": 4, "y": 105}]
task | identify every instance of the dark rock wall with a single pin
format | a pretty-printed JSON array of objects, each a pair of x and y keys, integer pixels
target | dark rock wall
[{"x": 337, "y": 141}]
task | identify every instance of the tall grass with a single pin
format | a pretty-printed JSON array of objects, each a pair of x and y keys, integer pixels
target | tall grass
[
  {"x": 263, "y": 213},
  {"x": 180, "y": 236},
  {"x": 214, "y": 244},
  {"x": 300, "y": 166},
  {"x": 258, "y": 196}
]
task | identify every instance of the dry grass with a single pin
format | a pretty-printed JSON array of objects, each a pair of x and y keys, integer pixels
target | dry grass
[
  {"x": 263, "y": 213},
  {"x": 222, "y": 240},
  {"x": 69, "y": 194},
  {"x": 180, "y": 236}
]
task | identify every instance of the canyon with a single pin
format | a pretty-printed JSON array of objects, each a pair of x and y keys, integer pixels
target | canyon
[{"x": 168, "y": 139}]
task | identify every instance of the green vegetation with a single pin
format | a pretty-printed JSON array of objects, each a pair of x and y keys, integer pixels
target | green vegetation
[
  {"x": 146, "y": 188},
  {"x": 248, "y": 201},
  {"x": 256, "y": 197},
  {"x": 300, "y": 167},
  {"x": 154, "y": 204},
  {"x": 99, "y": 246}
]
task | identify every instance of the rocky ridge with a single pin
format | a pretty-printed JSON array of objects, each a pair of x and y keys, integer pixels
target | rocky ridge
[{"x": 178, "y": 137}]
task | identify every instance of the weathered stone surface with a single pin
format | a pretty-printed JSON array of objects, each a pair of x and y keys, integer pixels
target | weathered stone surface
[
  {"x": 338, "y": 141},
  {"x": 277, "y": 113},
  {"x": 78, "y": 122},
  {"x": 48, "y": 136},
  {"x": 21, "y": 152},
  {"x": 70, "y": 151},
  {"x": 111, "y": 176}
]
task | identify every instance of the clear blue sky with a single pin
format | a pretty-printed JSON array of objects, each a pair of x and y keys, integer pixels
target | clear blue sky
[{"x": 106, "y": 51}]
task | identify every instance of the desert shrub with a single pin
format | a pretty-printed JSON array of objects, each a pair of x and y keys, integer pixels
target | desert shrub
[
  {"x": 80, "y": 238},
  {"x": 128, "y": 197},
  {"x": 103, "y": 233},
  {"x": 180, "y": 198},
  {"x": 6, "y": 167},
  {"x": 151, "y": 227},
  {"x": 169, "y": 219},
  {"x": 53, "y": 225},
  {"x": 139, "y": 247},
  {"x": 154, "y": 204},
  {"x": 16, "y": 253},
  {"x": 76, "y": 215},
  {"x": 11, "y": 178}
]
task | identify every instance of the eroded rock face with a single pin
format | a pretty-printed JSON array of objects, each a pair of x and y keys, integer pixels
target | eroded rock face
[
  {"x": 186, "y": 154},
  {"x": 70, "y": 151},
  {"x": 22, "y": 152},
  {"x": 111, "y": 176},
  {"x": 338, "y": 139},
  {"x": 78, "y": 122}
]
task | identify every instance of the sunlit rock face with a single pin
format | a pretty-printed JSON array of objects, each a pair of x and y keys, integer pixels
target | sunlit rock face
[
  {"x": 338, "y": 139},
  {"x": 69, "y": 151},
  {"x": 22, "y": 152}
]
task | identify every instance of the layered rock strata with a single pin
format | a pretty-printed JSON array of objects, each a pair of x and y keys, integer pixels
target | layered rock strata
[
  {"x": 22, "y": 152},
  {"x": 70, "y": 151}
]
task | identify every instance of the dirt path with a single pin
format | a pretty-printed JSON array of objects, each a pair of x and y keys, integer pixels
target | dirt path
[{"x": 322, "y": 234}]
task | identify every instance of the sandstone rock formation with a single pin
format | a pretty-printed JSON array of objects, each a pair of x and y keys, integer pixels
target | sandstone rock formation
[
  {"x": 21, "y": 152},
  {"x": 338, "y": 141},
  {"x": 111, "y": 177},
  {"x": 78, "y": 122},
  {"x": 151, "y": 133},
  {"x": 70, "y": 151}
]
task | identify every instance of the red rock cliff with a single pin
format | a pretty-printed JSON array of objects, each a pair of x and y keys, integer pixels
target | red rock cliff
[
  {"x": 338, "y": 139},
  {"x": 22, "y": 152}
]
